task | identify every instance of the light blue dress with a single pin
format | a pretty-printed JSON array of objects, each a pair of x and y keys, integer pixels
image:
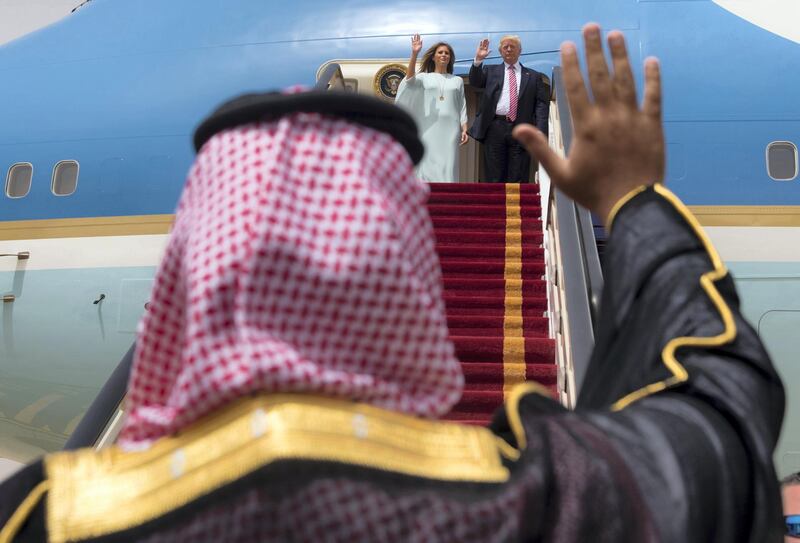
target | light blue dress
[{"x": 438, "y": 106}]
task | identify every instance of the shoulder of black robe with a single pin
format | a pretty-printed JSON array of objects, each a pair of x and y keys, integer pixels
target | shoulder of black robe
[
  {"x": 696, "y": 406},
  {"x": 338, "y": 471},
  {"x": 13, "y": 493}
]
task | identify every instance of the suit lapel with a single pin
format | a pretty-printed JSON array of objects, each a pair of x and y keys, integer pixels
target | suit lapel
[
  {"x": 525, "y": 78},
  {"x": 498, "y": 89}
]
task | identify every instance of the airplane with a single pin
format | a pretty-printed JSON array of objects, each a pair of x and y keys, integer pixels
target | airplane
[{"x": 98, "y": 110}]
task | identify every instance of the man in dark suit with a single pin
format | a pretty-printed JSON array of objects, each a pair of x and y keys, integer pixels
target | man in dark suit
[{"x": 512, "y": 95}]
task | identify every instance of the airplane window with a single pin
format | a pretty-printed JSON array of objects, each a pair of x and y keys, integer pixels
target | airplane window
[
  {"x": 18, "y": 180},
  {"x": 65, "y": 178},
  {"x": 782, "y": 160}
]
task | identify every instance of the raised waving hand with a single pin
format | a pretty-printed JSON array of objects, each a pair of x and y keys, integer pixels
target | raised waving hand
[
  {"x": 617, "y": 146},
  {"x": 416, "y": 47},
  {"x": 482, "y": 51},
  {"x": 416, "y": 44}
]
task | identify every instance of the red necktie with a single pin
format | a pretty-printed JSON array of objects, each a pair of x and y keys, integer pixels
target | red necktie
[{"x": 512, "y": 94}]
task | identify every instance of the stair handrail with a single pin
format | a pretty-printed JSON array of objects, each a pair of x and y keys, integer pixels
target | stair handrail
[
  {"x": 575, "y": 279},
  {"x": 592, "y": 267},
  {"x": 103, "y": 419},
  {"x": 331, "y": 78}
]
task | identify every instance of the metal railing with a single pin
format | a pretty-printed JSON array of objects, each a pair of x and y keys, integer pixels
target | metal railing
[
  {"x": 331, "y": 79},
  {"x": 102, "y": 420},
  {"x": 574, "y": 273}
]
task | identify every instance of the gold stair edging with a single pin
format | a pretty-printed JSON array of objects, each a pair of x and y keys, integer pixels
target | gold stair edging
[{"x": 513, "y": 340}]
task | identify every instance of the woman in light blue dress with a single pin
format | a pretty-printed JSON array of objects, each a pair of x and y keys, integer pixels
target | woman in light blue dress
[{"x": 435, "y": 98}]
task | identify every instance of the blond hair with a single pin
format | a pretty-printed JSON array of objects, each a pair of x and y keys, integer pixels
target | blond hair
[{"x": 511, "y": 37}]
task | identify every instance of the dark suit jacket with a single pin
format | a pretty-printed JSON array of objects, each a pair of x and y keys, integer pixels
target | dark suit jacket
[{"x": 533, "y": 105}]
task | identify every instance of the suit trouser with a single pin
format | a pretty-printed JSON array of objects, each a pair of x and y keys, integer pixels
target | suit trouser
[{"x": 505, "y": 160}]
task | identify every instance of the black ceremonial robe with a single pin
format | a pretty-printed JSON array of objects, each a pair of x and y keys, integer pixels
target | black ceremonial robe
[{"x": 672, "y": 440}]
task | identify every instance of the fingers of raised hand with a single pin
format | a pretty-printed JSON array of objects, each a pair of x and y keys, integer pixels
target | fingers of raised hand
[
  {"x": 596, "y": 64},
  {"x": 624, "y": 87},
  {"x": 604, "y": 88},
  {"x": 536, "y": 144},
  {"x": 652, "y": 89},
  {"x": 573, "y": 82}
]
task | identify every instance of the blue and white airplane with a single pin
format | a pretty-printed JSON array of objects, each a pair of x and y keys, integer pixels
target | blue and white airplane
[{"x": 97, "y": 112}]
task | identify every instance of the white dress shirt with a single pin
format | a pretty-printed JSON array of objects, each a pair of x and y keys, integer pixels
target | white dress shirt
[{"x": 505, "y": 101}]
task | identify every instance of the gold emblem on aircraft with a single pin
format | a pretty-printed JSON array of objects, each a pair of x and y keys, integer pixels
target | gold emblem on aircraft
[{"x": 387, "y": 81}]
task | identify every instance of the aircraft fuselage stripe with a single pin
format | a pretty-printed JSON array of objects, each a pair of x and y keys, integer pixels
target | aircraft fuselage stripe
[
  {"x": 135, "y": 225},
  {"x": 131, "y": 225}
]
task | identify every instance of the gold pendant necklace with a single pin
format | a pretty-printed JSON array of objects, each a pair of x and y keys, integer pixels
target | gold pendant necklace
[{"x": 441, "y": 89}]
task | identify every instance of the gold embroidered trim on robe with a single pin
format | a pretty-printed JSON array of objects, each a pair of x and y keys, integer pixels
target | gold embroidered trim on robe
[{"x": 94, "y": 493}]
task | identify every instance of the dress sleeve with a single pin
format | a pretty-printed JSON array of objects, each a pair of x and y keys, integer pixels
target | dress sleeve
[
  {"x": 410, "y": 94},
  {"x": 463, "y": 100}
]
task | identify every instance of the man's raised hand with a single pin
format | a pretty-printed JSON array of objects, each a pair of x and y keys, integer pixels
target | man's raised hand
[
  {"x": 483, "y": 50},
  {"x": 616, "y": 146}
]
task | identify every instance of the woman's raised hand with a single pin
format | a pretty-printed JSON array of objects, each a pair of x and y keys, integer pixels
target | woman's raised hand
[
  {"x": 483, "y": 50},
  {"x": 416, "y": 44},
  {"x": 416, "y": 47}
]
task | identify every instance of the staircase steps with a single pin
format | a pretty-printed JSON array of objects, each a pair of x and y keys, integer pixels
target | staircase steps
[{"x": 488, "y": 237}]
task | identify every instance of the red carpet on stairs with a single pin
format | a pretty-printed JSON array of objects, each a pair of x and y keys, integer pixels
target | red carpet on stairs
[{"x": 488, "y": 236}]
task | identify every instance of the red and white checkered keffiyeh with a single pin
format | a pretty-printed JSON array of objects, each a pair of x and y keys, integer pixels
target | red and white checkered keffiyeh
[{"x": 302, "y": 259}]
